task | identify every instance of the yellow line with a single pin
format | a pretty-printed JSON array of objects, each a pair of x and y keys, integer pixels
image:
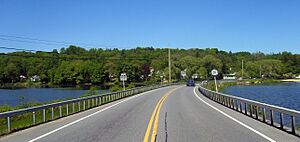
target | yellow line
[
  {"x": 146, "y": 137},
  {"x": 154, "y": 131},
  {"x": 155, "y": 115}
]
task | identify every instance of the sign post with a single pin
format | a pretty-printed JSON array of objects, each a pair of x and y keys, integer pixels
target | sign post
[
  {"x": 214, "y": 72},
  {"x": 183, "y": 74},
  {"x": 123, "y": 77},
  {"x": 161, "y": 79}
]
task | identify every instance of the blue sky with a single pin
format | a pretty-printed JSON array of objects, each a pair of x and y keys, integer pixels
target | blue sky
[{"x": 231, "y": 25}]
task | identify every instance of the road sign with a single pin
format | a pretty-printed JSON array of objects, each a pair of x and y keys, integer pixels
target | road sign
[
  {"x": 195, "y": 76},
  {"x": 214, "y": 72},
  {"x": 123, "y": 77},
  {"x": 183, "y": 73}
]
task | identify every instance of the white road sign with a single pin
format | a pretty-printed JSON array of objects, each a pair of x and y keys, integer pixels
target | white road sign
[
  {"x": 214, "y": 72},
  {"x": 123, "y": 77}
]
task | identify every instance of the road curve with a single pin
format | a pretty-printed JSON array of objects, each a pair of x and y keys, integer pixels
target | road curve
[{"x": 180, "y": 116}]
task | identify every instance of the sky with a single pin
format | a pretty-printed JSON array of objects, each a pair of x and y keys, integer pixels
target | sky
[{"x": 268, "y": 26}]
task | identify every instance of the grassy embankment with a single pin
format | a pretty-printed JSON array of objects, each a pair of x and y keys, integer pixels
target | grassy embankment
[{"x": 222, "y": 85}]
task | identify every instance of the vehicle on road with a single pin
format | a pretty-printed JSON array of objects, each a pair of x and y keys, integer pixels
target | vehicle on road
[{"x": 190, "y": 83}]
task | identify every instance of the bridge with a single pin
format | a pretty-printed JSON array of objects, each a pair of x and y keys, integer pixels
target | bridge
[{"x": 173, "y": 113}]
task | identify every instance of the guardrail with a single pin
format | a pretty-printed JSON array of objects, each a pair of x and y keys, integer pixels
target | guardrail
[
  {"x": 27, "y": 117},
  {"x": 279, "y": 117}
]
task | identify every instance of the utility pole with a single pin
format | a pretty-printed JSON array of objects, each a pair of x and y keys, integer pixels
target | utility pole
[
  {"x": 242, "y": 69},
  {"x": 170, "y": 66}
]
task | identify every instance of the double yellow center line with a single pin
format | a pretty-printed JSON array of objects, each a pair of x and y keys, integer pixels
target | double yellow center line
[{"x": 155, "y": 117}]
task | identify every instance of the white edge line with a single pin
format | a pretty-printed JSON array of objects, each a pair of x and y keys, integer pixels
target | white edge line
[
  {"x": 237, "y": 121},
  {"x": 78, "y": 120}
]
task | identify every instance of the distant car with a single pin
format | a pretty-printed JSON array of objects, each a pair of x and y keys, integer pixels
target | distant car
[{"x": 190, "y": 83}]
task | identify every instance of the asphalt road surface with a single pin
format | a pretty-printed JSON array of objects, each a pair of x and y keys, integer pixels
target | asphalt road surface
[{"x": 170, "y": 114}]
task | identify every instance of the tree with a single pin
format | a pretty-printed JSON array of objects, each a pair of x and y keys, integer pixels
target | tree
[{"x": 210, "y": 62}]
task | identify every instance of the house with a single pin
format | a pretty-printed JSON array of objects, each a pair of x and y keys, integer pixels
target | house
[
  {"x": 35, "y": 78},
  {"x": 231, "y": 76},
  {"x": 22, "y": 77}
]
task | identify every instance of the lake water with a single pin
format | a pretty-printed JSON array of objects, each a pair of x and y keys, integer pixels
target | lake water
[
  {"x": 280, "y": 94},
  {"x": 26, "y": 95}
]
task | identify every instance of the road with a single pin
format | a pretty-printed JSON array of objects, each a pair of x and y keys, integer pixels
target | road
[{"x": 170, "y": 114}]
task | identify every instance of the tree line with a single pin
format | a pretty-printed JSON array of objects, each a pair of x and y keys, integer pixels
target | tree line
[{"x": 75, "y": 65}]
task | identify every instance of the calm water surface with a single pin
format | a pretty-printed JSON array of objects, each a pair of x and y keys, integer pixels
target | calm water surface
[
  {"x": 281, "y": 94},
  {"x": 18, "y": 96}
]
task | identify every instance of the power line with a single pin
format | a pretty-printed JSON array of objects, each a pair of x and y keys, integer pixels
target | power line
[
  {"x": 51, "y": 42},
  {"x": 24, "y": 41},
  {"x": 17, "y": 49},
  {"x": 64, "y": 56}
]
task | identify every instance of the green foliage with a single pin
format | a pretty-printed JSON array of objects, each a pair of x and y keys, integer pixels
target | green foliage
[
  {"x": 131, "y": 85},
  {"x": 92, "y": 91},
  {"x": 75, "y": 65},
  {"x": 115, "y": 88}
]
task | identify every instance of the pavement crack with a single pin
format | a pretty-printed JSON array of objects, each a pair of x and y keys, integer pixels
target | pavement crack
[{"x": 166, "y": 127}]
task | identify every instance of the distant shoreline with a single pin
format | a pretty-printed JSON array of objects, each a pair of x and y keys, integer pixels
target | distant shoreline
[{"x": 290, "y": 80}]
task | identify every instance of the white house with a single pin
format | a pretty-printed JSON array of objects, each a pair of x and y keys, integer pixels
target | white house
[
  {"x": 231, "y": 76},
  {"x": 35, "y": 78}
]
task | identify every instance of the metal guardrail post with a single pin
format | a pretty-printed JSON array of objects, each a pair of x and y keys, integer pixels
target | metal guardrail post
[
  {"x": 236, "y": 105},
  {"x": 88, "y": 103},
  {"x": 33, "y": 118},
  {"x": 256, "y": 112},
  {"x": 67, "y": 109},
  {"x": 60, "y": 111},
  {"x": 100, "y": 100},
  {"x": 293, "y": 124},
  {"x": 73, "y": 107},
  {"x": 264, "y": 114},
  {"x": 8, "y": 124},
  {"x": 78, "y": 106},
  {"x": 222, "y": 100},
  {"x": 246, "y": 108},
  {"x": 96, "y": 101},
  {"x": 52, "y": 113},
  {"x": 250, "y": 110},
  {"x": 281, "y": 120},
  {"x": 44, "y": 115},
  {"x": 241, "y": 107},
  {"x": 272, "y": 117},
  {"x": 83, "y": 104},
  {"x": 228, "y": 102}
]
